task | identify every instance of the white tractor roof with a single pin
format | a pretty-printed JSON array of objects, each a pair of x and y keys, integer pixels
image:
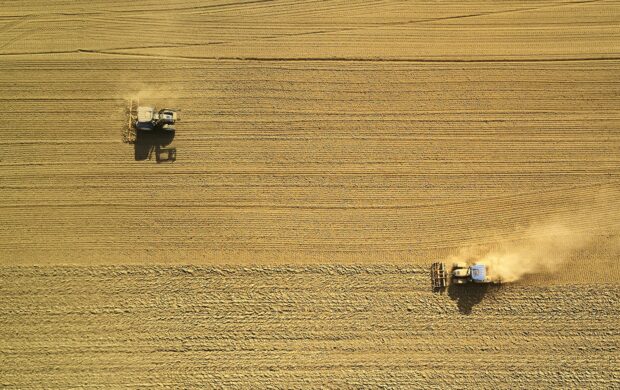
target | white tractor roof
[{"x": 145, "y": 114}]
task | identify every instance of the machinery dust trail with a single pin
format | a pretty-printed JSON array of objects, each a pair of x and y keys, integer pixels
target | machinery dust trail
[
  {"x": 148, "y": 93},
  {"x": 546, "y": 246}
]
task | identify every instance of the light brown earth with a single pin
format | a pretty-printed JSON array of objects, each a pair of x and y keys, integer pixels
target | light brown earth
[
  {"x": 307, "y": 326},
  {"x": 384, "y": 134}
]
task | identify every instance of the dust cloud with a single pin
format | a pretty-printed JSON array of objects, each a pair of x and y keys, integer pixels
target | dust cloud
[
  {"x": 544, "y": 247},
  {"x": 161, "y": 95}
]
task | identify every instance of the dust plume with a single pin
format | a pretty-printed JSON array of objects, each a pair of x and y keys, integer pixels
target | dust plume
[
  {"x": 160, "y": 95},
  {"x": 544, "y": 247}
]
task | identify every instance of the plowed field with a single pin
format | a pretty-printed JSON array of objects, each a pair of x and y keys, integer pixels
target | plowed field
[
  {"x": 290, "y": 327},
  {"x": 327, "y": 153}
]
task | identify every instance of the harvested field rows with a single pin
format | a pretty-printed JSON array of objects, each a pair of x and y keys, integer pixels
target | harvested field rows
[
  {"x": 378, "y": 30},
  {"x": 336, "y": 161},
  {"x": 310, "y": 131},
  {"x": 310, "y": 326}
]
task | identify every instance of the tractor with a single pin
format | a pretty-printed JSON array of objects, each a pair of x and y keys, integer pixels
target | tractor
[
  {"x": 149, "y": 119},
  {"x": 461, "y": 273}
]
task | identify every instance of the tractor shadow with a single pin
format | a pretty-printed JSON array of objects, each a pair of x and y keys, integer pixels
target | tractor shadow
[
  {"x": 154, "y": 142},
  {"x": 469, "y": 295}
]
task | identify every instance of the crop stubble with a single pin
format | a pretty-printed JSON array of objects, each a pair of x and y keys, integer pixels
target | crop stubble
[{"x": 311, "y": 133}]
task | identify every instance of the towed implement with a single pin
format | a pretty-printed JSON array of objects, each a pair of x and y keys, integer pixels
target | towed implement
[{"x": 439, "y": 277}]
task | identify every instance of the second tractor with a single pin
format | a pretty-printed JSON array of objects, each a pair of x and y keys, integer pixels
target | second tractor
[{"x": 461, "y": 273}]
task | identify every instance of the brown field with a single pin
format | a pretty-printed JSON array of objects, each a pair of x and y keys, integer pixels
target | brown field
[
  {"x": 328, "y": 152},
  {"x": 307, "y": 326}
]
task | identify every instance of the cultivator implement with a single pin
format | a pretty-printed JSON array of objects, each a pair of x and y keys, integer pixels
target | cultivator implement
[
  {"x": 129, "y": 131},
  {"x": 439, "y": 276}
]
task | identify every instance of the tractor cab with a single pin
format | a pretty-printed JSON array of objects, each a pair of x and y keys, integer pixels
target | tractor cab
[
  {"x": 145, "y": 118},
  {"x": 460, "y": 273}
]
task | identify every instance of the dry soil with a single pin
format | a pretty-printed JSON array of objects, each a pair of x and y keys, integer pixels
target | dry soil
[{"x": 327, "y": 153}]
